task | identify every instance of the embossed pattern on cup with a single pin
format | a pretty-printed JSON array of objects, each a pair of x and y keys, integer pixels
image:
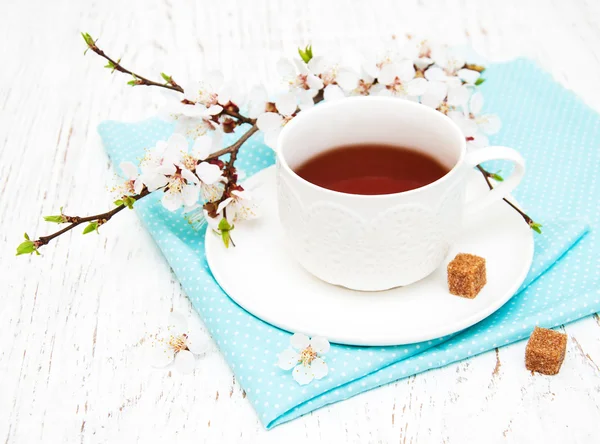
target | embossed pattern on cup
[{"x": 397, "y": 246}]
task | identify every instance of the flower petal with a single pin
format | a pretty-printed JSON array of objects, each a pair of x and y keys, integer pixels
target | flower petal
[
  {"x": 333, "y": 92},
  {"x": 476, "y": 103},
  {"x": 302, "y": 374},
  {"x": 458, "y": 96},
  {"x": 468, "y": 75},
  {"x": 271, "y": 138},
  {"x": 202, "y": 147},
  {"x": 416, "y": 87},
  {"x": 388, "y": 73},
  {"x": 197, "y": 341},
  {"x": 305, "y": 98},
  {"x": 319, "y": 344},
  {"x": 314, "y": 82},
  {"x": 167, "y": 168},
  {"x": 478, "y": 141},
  {"x": 177, "y": 144},
  {"x": 138, "y": 186},
  {"x": 269, "y": 121},
  {"x": 213, "y": 222},
  {"x": 435, "y": 73},
  {"x": 172, "y": 201},
  {"x": 318, "y": 65},
  {"x": 286, "y": 104},
  {"x": 153, "y": 181},
  {"x": 177, "y": 323},
  {"x": 189, "y": 176},
  {"x": 319, "y": 368},
  {"x": 423, "y": 62},
  {"x": 406, "y": 70},
  {"x": 208, "y": 173},
  {"x": 129, "y": 169},
  {"x": 347, "y": 79},
  {"x": 214, "y": 109},
  {"x": 466, "y": 125},
  {"x": 288, "y": 359},
  {"x": 489, "y": 123},
  {"x": 190, "y": 195},
  {"x": 185, "y": 362},
  {"x": 223, "y": 205},
  {"x": 435, "y": 94},
  {"x": 299, "y": 341},
  {"x": 159, "y": 354},
  {"x": 285, "y": 69},
  {"x": 257, "y": 99}
]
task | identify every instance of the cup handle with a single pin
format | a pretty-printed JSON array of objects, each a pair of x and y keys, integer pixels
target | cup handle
[{"x": 504, "y": 188}]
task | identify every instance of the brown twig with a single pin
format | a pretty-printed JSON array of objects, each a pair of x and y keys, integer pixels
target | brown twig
[
  {"x": 238, "y": 116},
  {"x": 487, "y": 175},
  {"x": 76, "y": 220},
  {"x": 140, "y": 80},
  {"x": 233, "y": 148}
]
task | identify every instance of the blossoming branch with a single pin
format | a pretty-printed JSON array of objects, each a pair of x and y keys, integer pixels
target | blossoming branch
[{"x": 201, "y": 176}]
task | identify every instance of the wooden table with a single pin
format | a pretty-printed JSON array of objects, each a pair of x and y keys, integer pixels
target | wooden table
[{"x": 72, "y": 321}]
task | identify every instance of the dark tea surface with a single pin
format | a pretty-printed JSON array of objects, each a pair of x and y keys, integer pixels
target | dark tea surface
[{"x": 371, "y": 169}]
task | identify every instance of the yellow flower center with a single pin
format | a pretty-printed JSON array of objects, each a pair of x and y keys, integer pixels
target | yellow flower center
[
  {"x": 178, "y": 343},
  {"x": 397, "y": 86},
  {"x": 307, "y": 355},
  {"x": 189, "y": 162},
  {"x": 176, "y": 183}
]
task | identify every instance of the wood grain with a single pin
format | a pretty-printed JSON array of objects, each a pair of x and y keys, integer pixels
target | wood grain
[{"x": 72, "y": 323}]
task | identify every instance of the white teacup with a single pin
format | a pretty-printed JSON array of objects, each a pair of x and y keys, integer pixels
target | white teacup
[{"x": 377, "y": 242}]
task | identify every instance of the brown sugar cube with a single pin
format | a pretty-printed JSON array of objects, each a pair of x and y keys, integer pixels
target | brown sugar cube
[
  {"x": 545, "y": 351},
  {"x": 466, "y": 275}
]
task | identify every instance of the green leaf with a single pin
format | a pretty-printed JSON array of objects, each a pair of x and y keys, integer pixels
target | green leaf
[
  {"x": 110, "y": 65},
  {"x": 479, "y": 81},
  {"x": 226, "y": 238},
  {"x": 165, "y": 77},
  {"x": 118, "y": 202},
  {"x": 536, "y": 227},
  {"x": 88, "y": 39},
  {"x": 132, "y": 83},
  {"x": 128, "y": 202},
  {"x": 225, "y": 231},
  {"x": 58, "y": 219},
  {"x": 306, "y": 54},
  {"x": 26, "y": 247},
  {"x": 92, "y": 226},
  {"x": 26, "y": 236},
  {"x": 497, "y": 177}
]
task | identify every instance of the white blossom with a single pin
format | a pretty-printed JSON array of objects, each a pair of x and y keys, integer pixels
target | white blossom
[
  {"x": 134, "y": 183},
  {"x": 178, "y": 345},
  {"x": 271, "y": 123},
  {"x": 474, "y": 126},
  {"x": 304, "y": 357},
  {"x": 240, "y": 206},
  {"x": 298, "y": 77},
  {"x": 191, "y": 120},
  {"x": 258, "y": 99},
  {"x": 211, "y": 91},
  {"x": 398, "y": 79}
]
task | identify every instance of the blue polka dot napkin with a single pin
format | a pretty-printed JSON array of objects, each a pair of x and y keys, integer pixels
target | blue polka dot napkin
[{"x": 558, "y": 135}]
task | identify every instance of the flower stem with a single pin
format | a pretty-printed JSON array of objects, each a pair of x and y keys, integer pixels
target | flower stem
[
  {"x": 140, "y": 80},
  {"x": 487, "y": 175},
  {"x": 76, "y": 220},
  {"x": 234, "y": 148}
]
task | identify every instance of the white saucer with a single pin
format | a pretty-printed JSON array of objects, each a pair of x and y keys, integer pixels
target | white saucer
[{"x": 264, "y": 279}]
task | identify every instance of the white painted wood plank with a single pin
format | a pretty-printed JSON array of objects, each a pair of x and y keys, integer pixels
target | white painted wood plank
[{"x": 71, "y": 322}]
